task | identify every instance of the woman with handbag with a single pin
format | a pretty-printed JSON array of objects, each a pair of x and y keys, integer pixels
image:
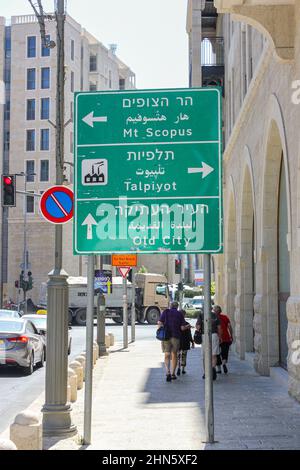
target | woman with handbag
[{"x": 225, "y": 336}]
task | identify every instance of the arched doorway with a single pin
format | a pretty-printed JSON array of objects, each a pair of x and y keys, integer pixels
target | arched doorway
[
  {"x": 283, "y": 258},
  {"x": 275, "y": 262},
  {"x": 247, "y": 260}
]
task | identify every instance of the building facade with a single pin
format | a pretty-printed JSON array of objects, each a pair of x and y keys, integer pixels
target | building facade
[
  {"x": 258, "y": 279},
  {"x": 29, "y": 135}
]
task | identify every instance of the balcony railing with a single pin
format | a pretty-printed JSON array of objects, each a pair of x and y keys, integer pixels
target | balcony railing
[{"x": 212, "y": 51}]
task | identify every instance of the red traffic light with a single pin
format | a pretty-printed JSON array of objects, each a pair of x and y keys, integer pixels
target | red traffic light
[{"x": 7, "y": 180}]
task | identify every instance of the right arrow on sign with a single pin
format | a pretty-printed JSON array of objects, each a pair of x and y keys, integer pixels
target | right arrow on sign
[
  {"x": 89, "y": 221},
  {"x": 205, "y": 170}
]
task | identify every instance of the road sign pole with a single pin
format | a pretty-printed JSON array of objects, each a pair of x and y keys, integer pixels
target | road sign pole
[
  {"x": 133, "y": 307},
  {"x": 209, "y": 404},
  {"x": 125, "y": 314},
  {"x": 101, "y": 325},
  {"x": 89, "y": 352},
  {"x": 57, "y": 410}
]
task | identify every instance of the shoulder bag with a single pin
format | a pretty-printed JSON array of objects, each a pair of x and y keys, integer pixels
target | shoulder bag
[{"x": 162, "y": 333}]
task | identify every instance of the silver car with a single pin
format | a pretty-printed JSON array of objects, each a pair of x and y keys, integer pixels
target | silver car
[
  {"x": 4, "y": 313},
  {"x": 40, "y": 322},
  {"x": 21, "y": 344}
]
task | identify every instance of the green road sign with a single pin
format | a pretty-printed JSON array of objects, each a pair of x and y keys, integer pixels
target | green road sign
[{"x": 148, "y": 171}]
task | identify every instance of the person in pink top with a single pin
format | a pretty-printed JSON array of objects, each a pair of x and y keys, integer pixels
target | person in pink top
[{"x": 225, "y": 336}]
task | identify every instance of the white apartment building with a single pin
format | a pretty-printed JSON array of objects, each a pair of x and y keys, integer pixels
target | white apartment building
[{"x": 31, "y": 138}]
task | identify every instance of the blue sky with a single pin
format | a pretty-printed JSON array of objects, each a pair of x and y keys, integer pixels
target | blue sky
[{"x": 150, "y": 35}]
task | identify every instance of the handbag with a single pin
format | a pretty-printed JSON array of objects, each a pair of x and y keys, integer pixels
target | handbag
[
  {"x": 197, "y": 337},
  {"x": 162, "y": 333}
]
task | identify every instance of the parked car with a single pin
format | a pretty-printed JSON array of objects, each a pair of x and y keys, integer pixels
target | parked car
[
  {"x": 4, "y": 313},
  {"x": 21, "y": 344},
  {"x": 40, "y": 322},
  {"x": 194, "y": 306}
]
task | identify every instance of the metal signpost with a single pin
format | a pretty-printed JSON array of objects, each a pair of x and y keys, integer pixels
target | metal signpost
[
  {"x": 148, "y": 179},
  {"x": 167, "y": 196},
  {"x": 89, "y": 352}
]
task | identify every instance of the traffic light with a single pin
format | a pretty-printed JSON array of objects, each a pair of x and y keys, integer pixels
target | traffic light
[
  {"x": 30, "y": 281},
  {"x": 129, "y": 276},
  {"x": 8, "y": 190},
  {"x": 177, "y": 266}
]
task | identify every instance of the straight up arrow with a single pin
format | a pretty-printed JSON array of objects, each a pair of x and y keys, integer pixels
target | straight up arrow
[
  {"x": 205, "y": 170},
  {"x": 89, "y": 119},
  {"x": 89, "y": 221}
]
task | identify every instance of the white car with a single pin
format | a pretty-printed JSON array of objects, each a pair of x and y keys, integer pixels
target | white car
[
  {"x": 4, "y": 313},
  {"x": 40, "y": 322}
]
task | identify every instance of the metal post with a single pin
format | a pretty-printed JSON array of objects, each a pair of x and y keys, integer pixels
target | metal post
[
  {"x": 56, "y": 410},
  {"x": 209, "y": 406},
  {"x": 89, "y": 352},
  {"x": 133, "y": 307},
  {"x": 125, "y": 314},
  {"x": 25, "y": 245},
  {"x": 101, "y": 325}
]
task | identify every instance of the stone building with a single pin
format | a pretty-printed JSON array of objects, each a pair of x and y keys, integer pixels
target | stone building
[
  {"x": 257, "y": 277},
  {"x": 29, "y": 146}
]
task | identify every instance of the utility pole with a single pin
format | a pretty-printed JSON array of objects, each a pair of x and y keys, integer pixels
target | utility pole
[
  {"x": 125, "y": 314},
  {"x": 56, "y": 410}
]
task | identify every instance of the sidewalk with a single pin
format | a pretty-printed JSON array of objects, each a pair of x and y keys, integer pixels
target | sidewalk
[{"x": 135, "y": 408}]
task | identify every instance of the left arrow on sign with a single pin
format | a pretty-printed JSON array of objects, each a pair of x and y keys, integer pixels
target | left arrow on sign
[
  {"x": 89, "y": 119},
  {"x": 89, "y": 221}
]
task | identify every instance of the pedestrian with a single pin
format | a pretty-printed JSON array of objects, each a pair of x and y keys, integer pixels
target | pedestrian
[
  {"x": 216, "y": 332},
  {"x": 186, "y": 341},
  {"x": 225, "y": 337},
  {"x": 174, "y": 321}
]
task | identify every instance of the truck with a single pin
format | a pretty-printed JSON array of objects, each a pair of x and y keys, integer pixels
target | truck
[{"x": 151, "y": 298}]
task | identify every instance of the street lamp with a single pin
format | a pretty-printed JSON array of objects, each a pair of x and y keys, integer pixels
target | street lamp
[{"x": 25, "y": 265}]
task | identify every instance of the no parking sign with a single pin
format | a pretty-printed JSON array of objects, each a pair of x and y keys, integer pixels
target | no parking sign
[{"x": 56, "y": 204}]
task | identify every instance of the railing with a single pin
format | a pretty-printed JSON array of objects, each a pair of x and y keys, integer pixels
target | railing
[{"x": 212, "y": 51}]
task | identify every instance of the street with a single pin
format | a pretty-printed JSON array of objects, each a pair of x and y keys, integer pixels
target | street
[{"x": 17, "y": 391}]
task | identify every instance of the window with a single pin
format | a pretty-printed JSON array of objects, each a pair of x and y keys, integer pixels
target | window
[
  {"x": 72, "y": 49},
  {"x": 93, "y": 86},
  {"x": 72, "y": 110},
  {"x": 45, "y": 139},
  {"x": 71, "y": 143},
  {"x": 30, "y": 110},
  {"x": 161, "y": 289},
  {"x": 31, "y": 46},
  {"x": 30, "y": 140},
  {"x": 29, "y": 170},
  {"x": 44, "y": 173},
  {"x": 122, "y": 83},
  {"x": 109, "y": 79},
  {"x": 46, "y": 50},
  {"x": 30, "y": 204},
  {"x": 45, "y": 78},
  {"x": 93, "y": 63},
  {"x": 7, "y": 111},
  {"x": 72, "y": 82},
  {"x": 6, "y": 140},
  {"x": 45, "y": 108},
  {"x": 30, "y": 79}
]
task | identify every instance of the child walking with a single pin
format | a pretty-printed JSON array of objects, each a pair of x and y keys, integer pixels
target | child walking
[{"x": 186, "y": 341}]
